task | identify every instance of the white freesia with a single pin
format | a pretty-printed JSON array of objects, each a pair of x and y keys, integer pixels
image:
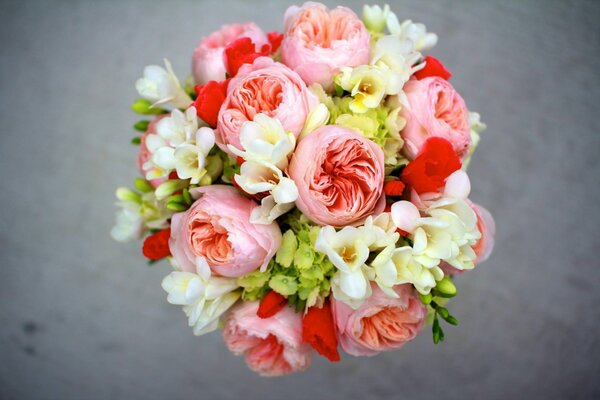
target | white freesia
[
  {"x": 265, "y": 139},
  {"x": 179, "y": 144},
  {"x": 259, "y": 177},
  {"x": 317, "y": 118},
  {"x": 267, "y": 148},
  {"x": 375, "y": 18},
  {"x": 398, "y": 58},
  {"x": 129, "y": 225},
  {"x": 161, "y": 86},
  {"x": 190, "y": 159},
  {"x": 410, "y": 270},
  {"x": 204, "y": 298},
  {"x": 477, "y": 126},
  {"x": 348, "y": 250},
  {"x": 367, "y": 85},
  {"x": 415, "y": 32}
]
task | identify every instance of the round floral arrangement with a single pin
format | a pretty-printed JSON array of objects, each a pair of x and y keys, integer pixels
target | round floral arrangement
[{"x": 310, "y": 189}]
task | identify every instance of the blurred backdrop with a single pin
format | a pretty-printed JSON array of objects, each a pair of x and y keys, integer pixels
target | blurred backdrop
[{"x": 83, "y": 317}]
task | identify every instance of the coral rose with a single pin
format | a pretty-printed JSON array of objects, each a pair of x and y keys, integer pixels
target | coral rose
[
  {"x": 217, "y": 228},
  {"x": 318, "y": 42},
  {"x": 272, "y": 346},
  {"x": 207, "y": 61},
  {"x": 339, "y": 175},
  {"x": 432, "y": 108},
  {"x": 265, "y": 87},
  {"x": 381, "y": 323}
]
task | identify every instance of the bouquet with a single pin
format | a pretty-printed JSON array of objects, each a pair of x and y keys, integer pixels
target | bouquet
[{"x": 308, "y": 187}]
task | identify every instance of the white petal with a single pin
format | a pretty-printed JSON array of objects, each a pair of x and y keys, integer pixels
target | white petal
[
  {"x": 458, "y": 185},
  {"x": 405, "y": 215},
  {"x": 353, "y": 284}
]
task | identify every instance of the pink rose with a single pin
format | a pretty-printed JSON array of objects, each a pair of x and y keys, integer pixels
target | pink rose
[
  {"x": 207, "y": 61},
  {"x": 266, "y": 87},
  {"x": 217, "y": 227},
  {"x": 433, "y": 108},
  {"x": 339, "y": 175},
  {"x": 381, "y": 323},
  {"x": 272, "y": 346},
  {"x": 486, "y": 225},
  {"x": 144, "y": 154},
  {"x": 318, "y": 42},
  {"x": 484, "y": 246}
]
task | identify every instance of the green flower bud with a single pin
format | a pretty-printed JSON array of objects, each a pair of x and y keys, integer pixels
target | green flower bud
[
  {"x": 187, "y": 198},
  {"x": 287, "y": 250},
  {"x": 425, "y": 298},
  {"x": 143, "y": 185},
  {"x": 143, "y": 106},
  {"x": 206, "y": 180},
  {"x": 136, "y": 140},
  {"x": 169, "y": 187},
  {"x": 284, "y": 285},
  {"x": 445, "y": 287},
  {"x": 126, "y": 194},
  {"x": 141, "y": 126},
  {"x": 177, "y": 207},
  {"x": 214, "y": 166}
]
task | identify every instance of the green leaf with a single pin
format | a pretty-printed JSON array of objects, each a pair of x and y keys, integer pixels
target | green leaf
[
  {"x": 142, "y": 125},
  {"x": 136, "y": 140}
]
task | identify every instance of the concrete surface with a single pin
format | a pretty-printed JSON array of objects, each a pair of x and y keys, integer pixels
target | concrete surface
[{"x": 82, "y": 317}]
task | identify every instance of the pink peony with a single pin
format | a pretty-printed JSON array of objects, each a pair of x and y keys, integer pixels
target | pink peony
[
  {"x": 339, "y": 175},
  {"x": 272, "y": 346},
  {"x": 381, "y": 323},
  {"x": 207, "y": 61},
  {"x": 144, "y": 154},
  {"x": 318, "y": 41},
  {"x": 266, "y": 87},
  {"x": 217, "y": 228},
  {"x": 433, "y": 108}
]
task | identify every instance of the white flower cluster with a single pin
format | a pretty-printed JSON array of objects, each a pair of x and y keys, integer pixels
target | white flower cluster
[{"x": 445, "y": 229}]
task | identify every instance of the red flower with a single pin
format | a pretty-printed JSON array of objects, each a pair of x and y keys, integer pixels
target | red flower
[
  {"x": 242, "y": 51},
  {"x": 271, "y": 304},
  {"x": 433, "y": 67},
  {"x": 319, "y": 331},
  {"x": 393, "y": 188},
  {"x": 429, "y": 170},
  {"x": 209, "y": 100},
  {"x": 156, "y": 246},
  {"x": 275, "y": 39}
]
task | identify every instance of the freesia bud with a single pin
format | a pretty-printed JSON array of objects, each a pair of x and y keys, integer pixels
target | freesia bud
[
  {"x": 445, "y": 287},
  {"x": 169, "y": 187},
  {"x": 143, "y": 185},
  {"x": 375, "y": 18},
  {"x": 126, "y": 194}
]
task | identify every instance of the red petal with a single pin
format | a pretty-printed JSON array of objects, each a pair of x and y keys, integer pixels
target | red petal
[
  {"x": 156, "y": 246},
  {"x": 433, "y": 67},
  {"x": 209, "y": 99},
  {"x": 394, "y": 188},
  {"x": 318, "y": 330},
  {"x": 271, "y": 304},
  {"x": 429, "y": 170},
  {"x": 275, "y": 39}
]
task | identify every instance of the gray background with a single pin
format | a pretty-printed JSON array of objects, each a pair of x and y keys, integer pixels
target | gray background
[{"x": 82, "y": 317}]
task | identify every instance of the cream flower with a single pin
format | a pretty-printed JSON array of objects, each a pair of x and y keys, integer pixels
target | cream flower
[
  {"x": 367, "y": 85},
  {"x": 415, "y": 32},
  {"x": 410, "y": 270},
  {"x": 317, "y": 118},
  {"x": 348, "y": 251},
  {"x": 477, "y": 126},
  {"x": 375, "y": 18},
  {"x": 129, "y": 224},
  {"x": 265, "y": 139},
  {"x": 190, "y": 159},
  {"x": 162, "y": 86},
  {"x": 398, "y": 58},
  {"x": 204, "y": 298}
]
